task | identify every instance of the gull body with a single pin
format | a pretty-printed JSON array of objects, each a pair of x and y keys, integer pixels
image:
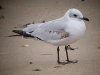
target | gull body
[{"x": 63, "y": 31}]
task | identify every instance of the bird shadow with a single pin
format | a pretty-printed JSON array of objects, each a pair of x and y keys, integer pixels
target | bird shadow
[{"x": 13, "y": 35}]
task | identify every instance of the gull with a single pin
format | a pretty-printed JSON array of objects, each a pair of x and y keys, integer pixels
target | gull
[{"x": 59, "y": 32}]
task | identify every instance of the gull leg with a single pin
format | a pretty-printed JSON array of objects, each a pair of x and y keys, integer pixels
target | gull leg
[
  {"x": 58, "y": 55},
  {"x": 68, "y": 61},
  {"x": 58, "y": 61},
  {"x": 66, "y": 48}
]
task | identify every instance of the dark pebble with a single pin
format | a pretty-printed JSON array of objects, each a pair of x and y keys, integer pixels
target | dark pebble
[
  {"x": 43, "y": 21},
  {"x": 31, "y": 63},
  {"x": 36, "y": 70},
  {"x": 82, "y": 0},
  {"x": 2, "y": 17},
  {"x": 33, "y": 22},
  {"x": 99, "y": 47},
  {"x": 1, "y": 7}
]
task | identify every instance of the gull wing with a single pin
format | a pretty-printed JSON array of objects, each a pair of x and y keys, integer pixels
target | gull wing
[{"x": 53, "y": 30}]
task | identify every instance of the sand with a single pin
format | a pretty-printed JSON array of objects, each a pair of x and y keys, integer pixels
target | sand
[{"x": 26, "y": 56}]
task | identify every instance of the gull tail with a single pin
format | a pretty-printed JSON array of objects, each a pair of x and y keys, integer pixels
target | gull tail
[{"x": 22, "y": 33}]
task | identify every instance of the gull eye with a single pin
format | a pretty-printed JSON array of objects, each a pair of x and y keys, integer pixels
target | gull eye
[{"x": 74, "y": 15}]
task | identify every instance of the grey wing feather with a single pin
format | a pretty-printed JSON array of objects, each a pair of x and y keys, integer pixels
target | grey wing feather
[{"x": 50, "y": 34}]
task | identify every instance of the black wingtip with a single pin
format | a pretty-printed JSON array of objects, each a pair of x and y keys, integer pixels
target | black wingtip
[{"x": 20, "y": 32}]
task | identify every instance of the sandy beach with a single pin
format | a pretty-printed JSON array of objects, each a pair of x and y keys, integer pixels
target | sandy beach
[{"x": 27, "y": 56}]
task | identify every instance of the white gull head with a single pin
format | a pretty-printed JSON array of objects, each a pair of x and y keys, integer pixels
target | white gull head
[{"x": 75, "y": 14}]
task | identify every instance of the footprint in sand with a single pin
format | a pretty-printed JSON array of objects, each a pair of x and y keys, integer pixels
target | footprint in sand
[{"x": 57, "y": 67}]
